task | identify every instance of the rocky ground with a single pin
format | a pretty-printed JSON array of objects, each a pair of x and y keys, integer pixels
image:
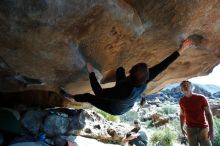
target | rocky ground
[
  {"x": 56, "y": 126},
  {"x": 84, "y": 127}
]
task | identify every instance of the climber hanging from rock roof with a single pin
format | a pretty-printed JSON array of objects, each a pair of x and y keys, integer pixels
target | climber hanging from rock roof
[{"x": 128, "y": 89}]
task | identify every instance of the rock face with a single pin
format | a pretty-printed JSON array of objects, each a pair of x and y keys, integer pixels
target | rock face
[
  {"x": 57, "y": 123},
  {"x": 54, "y": 122},
  {"x": 46, "y": 43},
  {"x": 103, "y": 130}
]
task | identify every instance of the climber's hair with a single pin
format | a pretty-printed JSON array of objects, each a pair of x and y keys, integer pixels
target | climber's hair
[
  {"x": 139, "y": 67},
  {"x": 188, "y": 82},
  {"x": 185, "y": 81}
]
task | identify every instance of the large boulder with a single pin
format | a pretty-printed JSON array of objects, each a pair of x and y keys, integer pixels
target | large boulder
[
  {"x": 56, "y": 123},
  {"x": 99, "y": 128},
  {"x": 45, "y": 44},
  {"x": 32, "y": 121}
]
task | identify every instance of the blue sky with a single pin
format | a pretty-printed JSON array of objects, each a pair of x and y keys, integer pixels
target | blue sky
[{"x": 212, "y": 78}]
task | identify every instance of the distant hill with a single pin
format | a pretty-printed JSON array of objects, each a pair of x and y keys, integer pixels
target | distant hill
[
  {"x": 169, "y": 87},
  {"x": 173, "y": 93},
  {"x": 208, "y": 87},
  {"x": 211, "y": 88},
  {"x": 217, "y": 94}
]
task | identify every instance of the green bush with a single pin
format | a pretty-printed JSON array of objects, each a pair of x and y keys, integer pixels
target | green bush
[
  {"x": 168, "y": 109},
  {"x": 216, "y": 141},
  {"x": 176, "y": 124},
  {"x": 164, "y": 137},
  {"x": 156, "y": 137},
  {"x": 108, "y": 117},
  {"x": 129, "y": 117},
  {"x": 149, "y": 124}
]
